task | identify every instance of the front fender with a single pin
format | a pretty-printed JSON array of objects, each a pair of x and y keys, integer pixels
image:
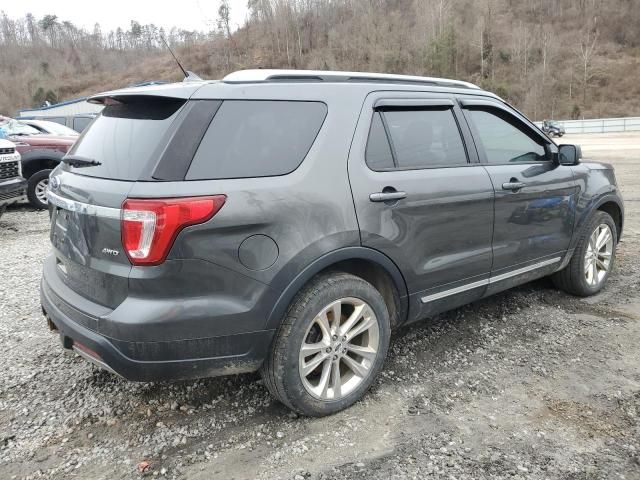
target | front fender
[{"x": 588, "y": 211}]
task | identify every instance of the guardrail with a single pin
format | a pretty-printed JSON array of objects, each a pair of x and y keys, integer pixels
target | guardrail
[{"x": 600, "y": 125}]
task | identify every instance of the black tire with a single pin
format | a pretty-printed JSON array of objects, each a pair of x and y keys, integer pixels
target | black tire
[
  {"x": 281, "y": 370},
  {"x": 32, "y": 185},
  {"x": 572, "y": 279}
]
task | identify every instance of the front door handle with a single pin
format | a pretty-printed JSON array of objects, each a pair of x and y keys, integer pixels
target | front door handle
[
  {"x": 391, "y": 196},
  {"x": 513, "y": 185}
]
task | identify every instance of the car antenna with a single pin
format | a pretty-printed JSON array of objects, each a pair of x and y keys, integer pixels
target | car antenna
[{"x": 188, "y": 76}]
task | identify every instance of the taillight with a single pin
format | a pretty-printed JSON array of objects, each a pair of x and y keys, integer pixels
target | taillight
[{"x": 150, "y": 226}]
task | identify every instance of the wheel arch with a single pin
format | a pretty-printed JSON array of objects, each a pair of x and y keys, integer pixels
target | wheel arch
[
  {"x": 614, "y": 209},
  {"x": 37, "y": 160},
  {"x": 366, "y": 263}
]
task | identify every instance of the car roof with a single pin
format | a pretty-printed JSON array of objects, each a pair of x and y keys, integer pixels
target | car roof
[
  {"x": 268, "y": 75},
  {"x": 297, "y": 81}
]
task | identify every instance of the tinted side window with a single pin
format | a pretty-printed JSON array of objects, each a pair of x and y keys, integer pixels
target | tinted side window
[
  {"x": 378, "y": 154},
  {"x": 257, "y": 139},
  {"x": 425, "y": 138},
  {"x": 504, "y": 142}
]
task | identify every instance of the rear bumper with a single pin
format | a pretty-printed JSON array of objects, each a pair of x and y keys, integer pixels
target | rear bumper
[
  {"x": 162, "y": 360},
  {"x": 12, "y": 191}
]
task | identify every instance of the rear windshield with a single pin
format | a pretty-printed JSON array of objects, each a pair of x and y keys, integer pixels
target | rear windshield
[
  {"x": 257, "y": 138},
  {"x": 125, "y": 136}
]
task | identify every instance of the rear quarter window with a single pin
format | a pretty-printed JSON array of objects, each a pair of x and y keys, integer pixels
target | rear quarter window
[{"x": 257, "y": 138}]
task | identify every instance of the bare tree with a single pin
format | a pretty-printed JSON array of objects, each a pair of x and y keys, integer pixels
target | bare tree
[{"x": 588, "y": 46}]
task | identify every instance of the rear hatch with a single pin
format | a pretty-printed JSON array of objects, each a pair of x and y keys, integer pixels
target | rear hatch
[{"x": 88, "y": 191}]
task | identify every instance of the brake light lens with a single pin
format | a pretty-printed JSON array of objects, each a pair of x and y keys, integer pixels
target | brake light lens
[{"x": 150, "y": 226}]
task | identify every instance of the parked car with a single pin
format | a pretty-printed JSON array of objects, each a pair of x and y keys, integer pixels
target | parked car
[
  {"x": 12, "y": 185},
  {"x": 77, "y": 123},
  {"x": 40, "y": 155},
  {"x": 287, "y": 221},
  {"x": 51, "y": 128},
  {"x": 552, "y": 128}
]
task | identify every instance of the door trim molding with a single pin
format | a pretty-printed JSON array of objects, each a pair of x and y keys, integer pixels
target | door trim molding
[
  {"x": 520, "y": 271},
  {"x": 453, "y": 291},
  {"x": 489, "y": 281}
]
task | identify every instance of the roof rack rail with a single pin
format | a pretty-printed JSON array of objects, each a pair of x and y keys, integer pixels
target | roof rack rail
[{"x": 267, "y": 75}]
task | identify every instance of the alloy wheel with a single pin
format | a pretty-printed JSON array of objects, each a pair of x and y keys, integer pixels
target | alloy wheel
[
  {"x": 597, "y": 259},
  {"x": 41, "y": 190},
  {"x": 339, "y": 349}
]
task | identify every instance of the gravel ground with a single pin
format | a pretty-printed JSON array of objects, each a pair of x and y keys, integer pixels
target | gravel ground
[{"x": 530, "y": 383}]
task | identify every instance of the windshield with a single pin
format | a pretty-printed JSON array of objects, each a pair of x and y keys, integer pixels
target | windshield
[
  {"x": 56, "y": 128},
  {"x": 13, "y": 127}
]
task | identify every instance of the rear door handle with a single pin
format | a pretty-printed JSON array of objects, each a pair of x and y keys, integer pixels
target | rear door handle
[
  {"x": 513, "y": 186},
  {"x": 387, "y": 196}
]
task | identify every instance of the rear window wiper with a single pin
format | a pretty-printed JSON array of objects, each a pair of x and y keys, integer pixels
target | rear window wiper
[{"x": 79, "y": 161}]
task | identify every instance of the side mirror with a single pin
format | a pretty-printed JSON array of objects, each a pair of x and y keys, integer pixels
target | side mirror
[{"x": 569, "y": 154}]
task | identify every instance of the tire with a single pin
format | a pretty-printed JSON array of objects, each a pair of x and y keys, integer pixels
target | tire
[
  {"x": 35, "y": 184},
  {"x": 574, "y": 278},
  {"x": 282, "y": 370}
]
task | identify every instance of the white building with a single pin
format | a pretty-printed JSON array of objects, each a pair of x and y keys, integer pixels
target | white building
[
  {"x": 78, "y": 106},
  {"x": 76, "y": 114}
]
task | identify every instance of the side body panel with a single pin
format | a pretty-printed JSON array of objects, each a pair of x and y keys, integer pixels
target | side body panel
[
  {"x": 440, "y": 234},
  {"x": 534, "y": 221}
]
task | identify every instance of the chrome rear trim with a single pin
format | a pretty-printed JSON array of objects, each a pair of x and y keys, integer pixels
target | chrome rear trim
[
  {"x": 95, "y": 361},
  {"x": 84, "y": 208}
]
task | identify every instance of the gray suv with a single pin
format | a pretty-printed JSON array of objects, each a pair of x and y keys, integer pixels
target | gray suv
[{"x": 287, "y": 221}]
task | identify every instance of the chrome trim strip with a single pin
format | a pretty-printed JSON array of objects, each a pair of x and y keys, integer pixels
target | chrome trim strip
[
  {"x": 453, "y": 291},
  {"x": 84, "y": 208},
  {"x": 522, "y": 270},
  {"x": 488, "y": 281}
]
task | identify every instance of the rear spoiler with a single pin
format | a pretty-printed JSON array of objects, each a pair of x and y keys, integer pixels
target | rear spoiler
[{"x": 181, "y": 91}]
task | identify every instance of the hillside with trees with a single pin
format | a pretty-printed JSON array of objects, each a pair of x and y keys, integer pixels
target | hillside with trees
[{"x": 550, "y": 58}]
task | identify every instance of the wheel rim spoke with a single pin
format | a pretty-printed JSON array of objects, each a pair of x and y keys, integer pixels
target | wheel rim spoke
[
  {"x": 336, "y": 379},
  {"x": 366, "y": 323},
  {"x": 353, "y": 318},
  {"x": 339, "y": 349},
  {"x": 365, "y": 352},
  {"x": 309, "y": 349},
  {"x": 323, "y": 323},
  {"x": 313, "y": 364},
  {"x": 323, "y": 384},
  {"x": 356, "y": 367},
  {"x": 603, "y": 238}
]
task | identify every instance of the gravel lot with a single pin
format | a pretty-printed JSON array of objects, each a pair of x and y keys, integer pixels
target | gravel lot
[{"x": 531, "y": 383}]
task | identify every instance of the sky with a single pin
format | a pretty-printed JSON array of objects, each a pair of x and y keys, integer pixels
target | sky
[{"x": 185, "y": 14}]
